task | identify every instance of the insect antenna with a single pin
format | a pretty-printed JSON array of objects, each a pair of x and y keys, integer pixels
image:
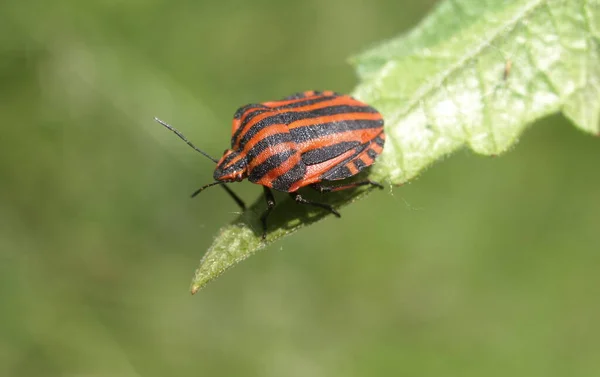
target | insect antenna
[
  {"x": 168, "y": 126},
  {"x": 233, "y": 195},
  {"x": 207, "y": 186}
]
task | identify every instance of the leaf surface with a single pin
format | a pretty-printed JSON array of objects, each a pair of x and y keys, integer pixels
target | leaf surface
[{"x": 472, "y": 74}]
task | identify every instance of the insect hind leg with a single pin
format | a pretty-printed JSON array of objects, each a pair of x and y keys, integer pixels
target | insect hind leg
[
  {"x": 347, "y": 186},
  {"x": 300, "y": 200}
]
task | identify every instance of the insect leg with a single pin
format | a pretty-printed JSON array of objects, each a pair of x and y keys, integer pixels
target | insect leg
[
  {"x": 299, "y": 199},
  {"x": 270, "y": 204},
  {"x": 320, "y": 188},
  {"x": 236, "y": 198}
]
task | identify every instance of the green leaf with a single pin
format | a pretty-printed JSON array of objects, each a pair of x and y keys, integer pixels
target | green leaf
[
  {"x": 446, "y": 20},
  {"x": 472, "y": 74}
]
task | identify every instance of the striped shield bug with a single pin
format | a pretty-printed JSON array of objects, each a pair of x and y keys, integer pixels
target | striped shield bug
[{"x": 302, "y": 140}]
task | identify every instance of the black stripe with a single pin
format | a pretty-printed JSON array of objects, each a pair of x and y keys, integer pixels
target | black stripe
[
  {"x": 289, "y": 117},
  {"x": 319, "y": 155},
  {"x": 334, "y": 110},
  {"x": 252, "y": 113},
  {"x": 310, "y": 93},
  {"x": 299, "y": 95},
  {"x": 379, "y": 141},
  {"x": 306, "y": 133},
  {"x": 223, "y": 169},
  {"x": 339, "y": 173},
  {"x": 240, "y": 165},
  {"x": 372, "y": 154},
  {"x": 270, "y": 163},
  {"x": 267, "y": 142},
  {"x": 228, "y": 159},
  {"x": 239, "y": 112},
  {"x": 242, "y": 139},
  {"x": 308, "y": 102},
  {"x": 359, "y": 164},
  {"x": 295, "y": 174}
]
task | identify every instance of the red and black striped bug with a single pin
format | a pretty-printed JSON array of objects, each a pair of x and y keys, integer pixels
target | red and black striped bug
[{"x": 301, "y": 140}]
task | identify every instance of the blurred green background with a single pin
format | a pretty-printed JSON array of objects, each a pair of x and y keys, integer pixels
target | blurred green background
[{"x": 481, "y": 267}]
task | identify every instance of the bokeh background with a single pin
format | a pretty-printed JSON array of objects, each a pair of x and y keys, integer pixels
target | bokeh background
[{"x": 481, "y": 267}]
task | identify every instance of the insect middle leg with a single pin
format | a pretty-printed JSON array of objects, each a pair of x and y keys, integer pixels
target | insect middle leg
[
  {"x": 299, "y": 199},
  {"x": 270, "y": 204}
]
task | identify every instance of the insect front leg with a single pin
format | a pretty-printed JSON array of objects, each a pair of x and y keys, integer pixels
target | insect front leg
[
  {"x": 236, "y": 198},
  {"x": 270, "y": 204},
  {"x": 299, "y": 199}
]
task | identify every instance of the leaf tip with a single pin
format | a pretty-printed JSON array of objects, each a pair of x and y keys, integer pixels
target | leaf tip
[{"x": 199, "y": 281}]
